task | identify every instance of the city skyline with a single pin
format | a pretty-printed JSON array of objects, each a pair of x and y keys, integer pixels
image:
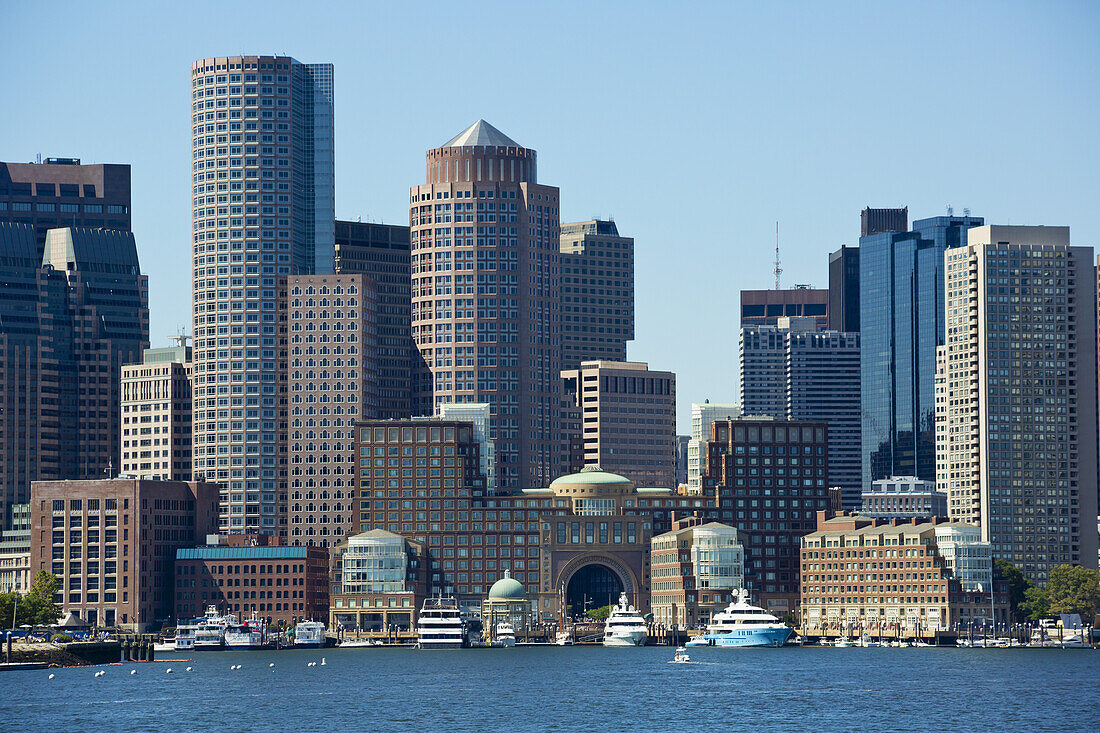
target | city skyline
[{"x": 809, "y": 155}]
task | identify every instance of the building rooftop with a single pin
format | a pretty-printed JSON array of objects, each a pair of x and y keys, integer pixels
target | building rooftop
[
  {"x": 242, "y": 553},
  {"x": 480, "y": 133},
  {"x": 507, "y": 587},
  {"x": 590, "y": 475}
]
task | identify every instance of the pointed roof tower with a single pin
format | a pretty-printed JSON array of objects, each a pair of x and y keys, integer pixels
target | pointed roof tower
[{"x": 480, "y": 133}]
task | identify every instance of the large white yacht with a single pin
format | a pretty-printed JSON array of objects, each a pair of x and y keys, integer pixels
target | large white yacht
[
  {"x": 441, "y": 625},
  {"x": 625, "y": 626},
  {"x": 743, "y": 624},
  {"x": 249, "y": 634},
  {"x": 309, "y": 634},
  {"x": 506, "y": 634}
]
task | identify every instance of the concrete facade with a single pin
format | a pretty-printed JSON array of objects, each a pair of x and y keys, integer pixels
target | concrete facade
[
  {"x": 903, "y": 497},
  {"x": 156, "y": 415}
]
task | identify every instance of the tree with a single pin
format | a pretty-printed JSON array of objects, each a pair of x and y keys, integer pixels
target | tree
[
  {"x": 599, "y": 614},
  {"x": 1074, "y": 589},
  {"x": 1036, "y": 605},
  {"x": 39, "y": 600},
  {"x": 1017, "y": 586}
]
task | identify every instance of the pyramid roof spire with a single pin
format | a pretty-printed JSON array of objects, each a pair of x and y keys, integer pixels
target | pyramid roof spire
[{"x": 481, "y": 133}]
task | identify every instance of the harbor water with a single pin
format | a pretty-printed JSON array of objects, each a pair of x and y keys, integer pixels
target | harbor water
[{"x": 569, "y": 689}]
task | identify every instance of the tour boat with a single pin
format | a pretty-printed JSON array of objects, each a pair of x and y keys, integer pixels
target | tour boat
[
  {"x": 309, "y": 634},
  {"x": 206, "y": 633},
  {"x": 248, "y": 634},
  {"x": 624, "y": 626},
  {"x": 506, "y": 635},
  {"x": 441, "y": 625},
  {"x": 743, "y": 624}
]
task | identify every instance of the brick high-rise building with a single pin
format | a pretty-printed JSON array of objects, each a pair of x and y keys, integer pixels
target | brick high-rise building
[
  {"x": 486, "y": 294},
  {"x": 262, "y": 209},
  {"x": 1016, "y": 395},
  {"x": 332, "y": 381},
  {"x": 597, "y": 286},
  {"x": 627, "y": 419},
  {"x": 156, "y": 414},
  {"x": 61, "y": 192}
]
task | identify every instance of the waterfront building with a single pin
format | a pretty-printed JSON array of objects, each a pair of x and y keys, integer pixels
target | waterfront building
[
  {"x": 381, "y": 252},
  {"x": 702, "y": 421},
  {"x": 768, "y": 477},
  {"x": 696, "y": 570},
  {"x": 70, "y": 317},
  {"x": 903, "y": 497},
  {"x": 597, "y": 288},
  {"x": 844, "y": 290},
  {"x": 795, "y": 371},
  {"x": 878, "y": 221},
  {"x": 61, "y": 192},
  {"x": 262, "y": 209},
  {"x": 628, "y": 419},
  {"x": 251, "y": 574},
  {"x": 379, "y": 582},
  {"x": 332, "y": 373},
  {"x": 766, "y": 307},
  {"x": 486, "y": 294},
  {"x": 901, "y": 325},
  {"x": 897, "y": 578},
  {"x": 1016, "y": 435},
  {"x": 111, "y": 543},
  {"x": 156, "y": 414},
  {"x": 507, "y": 602},
  {"x": 15, "y": 552},
  {"x": 479, "y": 415}
]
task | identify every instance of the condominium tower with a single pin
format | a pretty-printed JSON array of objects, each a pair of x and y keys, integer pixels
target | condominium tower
[
  {"x": 156, "y": 414},
  {"x": 703, "y": 416},
  {"x": 262, "y": 187},
  {"x": 1016, "y": 395},
  {"x": 486, "y": 294}
]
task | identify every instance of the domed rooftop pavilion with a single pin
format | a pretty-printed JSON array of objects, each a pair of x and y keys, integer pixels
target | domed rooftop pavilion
[
  {"x": 593, "y": 490},
  {"x": 507, "y": 588}
]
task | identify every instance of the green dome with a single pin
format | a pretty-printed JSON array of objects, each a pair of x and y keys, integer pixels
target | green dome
[
  {"x": 590, "y": 475},
  {"x": 507, "y": 587}
]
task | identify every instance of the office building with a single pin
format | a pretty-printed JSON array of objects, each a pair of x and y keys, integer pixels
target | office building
[
  {"x": 487, "y": 294},
  {"x": 251, "y": 575},
  {"x": 381, "y": 252},
  {"x": 597, "y": 288},
  {"x": 695, "y": 570},
  {"x": 479, "y": 415},
  {"x": 901, "y": 324},
  {"x": 762, "y": 366},
  {"x": 844, "y": 290},
  {"x": 768, "y": 478},
  {"x": 766, "y": 307},
  {"x": 703, "y": 416},
  {"x": 1016, "y": 434},
  {"x": 111, "y": 543},
  {"x": 15, "y": 552},
  {"x": 903, "y": 497},
  {"x": 262, "y": 209},
  {"x": 61, "y": 193},
  {"x": 379, "y": 582},
  {"x": 332, "y": 382},
  {"x": 156, "y": 414},
  {"x": 878, "y": 221},
  {"x": 628, "y": 419}
]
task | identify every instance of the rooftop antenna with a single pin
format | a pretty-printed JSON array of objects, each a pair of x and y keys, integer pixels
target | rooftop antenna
[
  {"x": 778, "y": 269},
  {"x": 181, "y": 338},
  {"x": 950, "y": 210}
]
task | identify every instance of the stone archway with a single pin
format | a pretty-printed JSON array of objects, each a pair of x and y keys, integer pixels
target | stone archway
[{"x": 602, "y": 571}]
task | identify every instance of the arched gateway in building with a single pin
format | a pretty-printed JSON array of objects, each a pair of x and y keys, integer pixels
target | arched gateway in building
[{"x": 592, "y": 586}]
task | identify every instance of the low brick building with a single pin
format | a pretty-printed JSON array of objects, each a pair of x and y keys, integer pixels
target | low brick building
[
  {"x": 112, "y": 542},
  {"x": 696, "y": 569},
  {"x": 246, "y": 574}
]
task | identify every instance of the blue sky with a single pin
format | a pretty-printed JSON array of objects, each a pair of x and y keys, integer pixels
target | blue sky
[{"x": 695, "y": 125}]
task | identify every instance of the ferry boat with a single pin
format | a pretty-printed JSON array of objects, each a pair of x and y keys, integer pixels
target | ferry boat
[
  {"x": 743, "y": 624},
  {"x": 441, "y": 625},
  {"x": 625, "y": 626},
  {"x": 248, "y": 634},
  {"x": 309, "y": 634},
  {"x": 210, "y": 632},
  {"x": 506, "y": 635}
]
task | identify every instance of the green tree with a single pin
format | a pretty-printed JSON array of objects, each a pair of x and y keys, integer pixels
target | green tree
[
  {"x": 7, "y": 605},
  {"x": 1074, "y": 589},
  {"x": 40, "y": 603},
  {"x": 600, "y": 614},
  {"x": 1017, "y": 586},
  {"x": 1035, "y": 605}
]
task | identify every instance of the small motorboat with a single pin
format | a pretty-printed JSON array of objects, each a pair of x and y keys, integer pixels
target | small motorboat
[
  {"x": 681, "y": 656},
  {"x": 698, "y": 641}
]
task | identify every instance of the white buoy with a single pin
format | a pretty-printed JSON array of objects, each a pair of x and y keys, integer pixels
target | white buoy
[
  {"x": 133, "y": 671},
  {"x": 323, "y": 662},
  {"x": 188, "y": 669},
  {"x": 51, "y": 676},
  {"x": 271, "y": 665},
  {"x": 168, "y": 671}
]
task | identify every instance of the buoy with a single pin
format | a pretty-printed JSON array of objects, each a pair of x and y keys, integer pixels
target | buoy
[
  {"x": 51, "y": 676},
  {"x": 271, "y": 665},
  {"x": 323, "y": 662},
  {"x": 133, "y": 671},
  {"x": 188, "y": 669},
  {"x": 168, "y": 671}
]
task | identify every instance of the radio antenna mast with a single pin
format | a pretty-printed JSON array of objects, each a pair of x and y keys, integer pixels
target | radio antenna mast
[{"x": 778, "y": 269}]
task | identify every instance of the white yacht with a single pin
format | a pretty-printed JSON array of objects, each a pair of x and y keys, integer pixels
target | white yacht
[
  {"x": 309, "y": 634},
  {"x": 506, "y": 635},
  {"x": 624, "y": 626},
  {"x": 743, "y": 624},
  {"x": 248, "y": 634},
  {"x": 209, "y": 631},
  {"x": 441, "y": 625}
]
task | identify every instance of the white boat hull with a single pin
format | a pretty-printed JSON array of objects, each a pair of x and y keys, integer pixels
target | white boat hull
[{"x": 635, "y": 638}]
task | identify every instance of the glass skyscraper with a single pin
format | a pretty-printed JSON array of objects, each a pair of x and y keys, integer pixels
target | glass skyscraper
[{"x": 901, "y": 324}]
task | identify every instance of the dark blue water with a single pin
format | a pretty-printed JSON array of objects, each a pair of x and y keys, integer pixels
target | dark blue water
[{"x": 571, "y": 689}]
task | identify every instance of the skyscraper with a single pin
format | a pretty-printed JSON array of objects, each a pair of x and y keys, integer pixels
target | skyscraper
[
  {"x": 766, "y": 307},
  {"x": 877, "y": 221},
  {"x": 486, "y": 294},
  {"x": 62, "y": 192},
  {"x": 262, "y": 187},
  {"x": 597, "y": 286},
  {"x": 844, "y": 289},
  {"x": 703, "y": 416},
  {"x": 901, "y": 324},
  {"x": 381, "y": 252},
  {"x": 1016, "y": 435},
  {"x": 156, "y": 414}
]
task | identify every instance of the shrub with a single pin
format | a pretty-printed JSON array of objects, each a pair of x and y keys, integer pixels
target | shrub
[{"x": 61, "y": 638}]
